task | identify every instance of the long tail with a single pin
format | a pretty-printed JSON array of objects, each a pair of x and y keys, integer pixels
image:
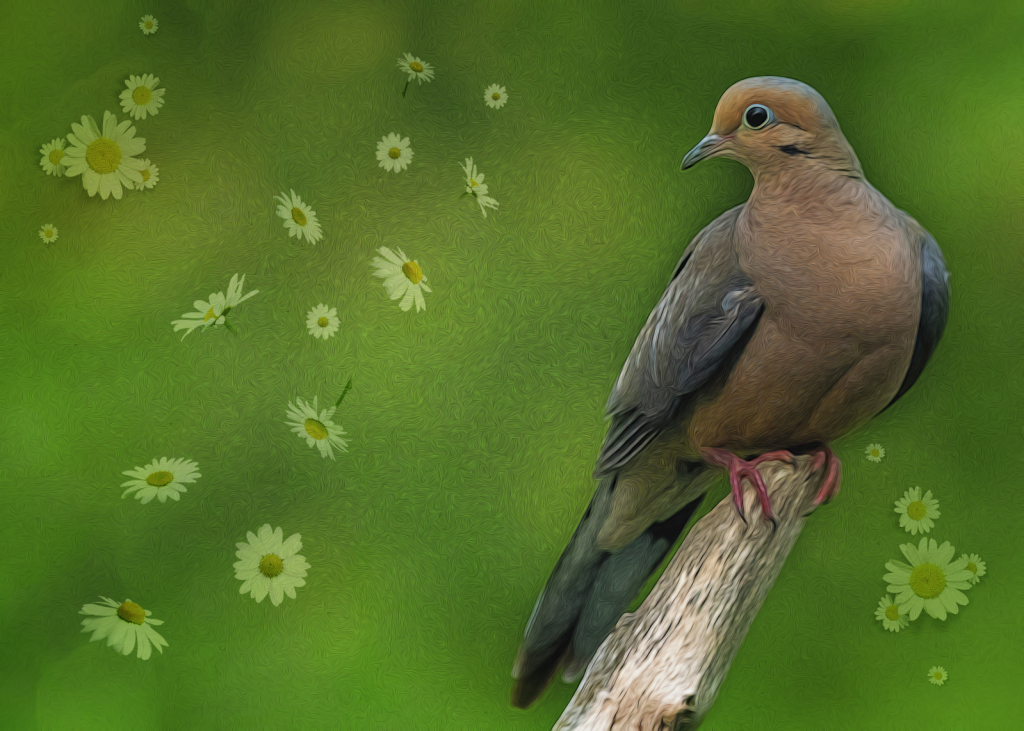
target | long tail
[{"x": 586, "y": 594}]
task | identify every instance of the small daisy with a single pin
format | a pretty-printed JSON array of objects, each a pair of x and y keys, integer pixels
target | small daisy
[
  {"x": 299, "y": 219},
  {"x": 976, "y": 566},
  {"x": 148, "y": 25},
  {"x": 889, "y": 615},
  {"x": 495, "y": 96},
  {"x": 215, "y": 310},
  {"x": 124, "y": 626},
  {"x": 142, "y": 97},
  {"x": 48, "y": 233},
  {"x": 269, "y": 565},
  {"x": 476, "y": 186},
  {"x": 162, "y": 478},
  {"x": 403, "y": 278},
  {"x": 416, "y": 68},
  {"x": 53, "y": 157},
  {"x": 931, "y": 582},
  {"x": 150, "y": 175},
  {"x": 316, "y": 430},
  {"x": 323, "y": 322},
  {"x": 938, "y": 675},
  {"x": 916, "y": 512},
  {"x": 874, "y": 452},
  {"x": 105, "y": 160},
  {"x": 394, "y": 153}
]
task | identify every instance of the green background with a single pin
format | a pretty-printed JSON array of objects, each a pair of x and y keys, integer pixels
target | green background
[{"x": 474, "y": 425}]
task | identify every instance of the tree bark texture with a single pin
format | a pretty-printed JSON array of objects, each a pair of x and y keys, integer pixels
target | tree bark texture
[{"x": 662, "y": 665}]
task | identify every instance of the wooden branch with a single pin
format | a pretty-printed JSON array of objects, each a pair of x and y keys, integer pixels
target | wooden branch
[{"x": 662, "y": 665}]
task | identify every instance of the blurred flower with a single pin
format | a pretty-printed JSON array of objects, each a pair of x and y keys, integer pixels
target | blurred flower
[
  {"x": 268, "y": 565},
  {"x": 148, "y": 25},
  {"x": 215, "y": 310},
  {"x": 495, "y": 96},
  {"x": 322, "y": 322},
  {"x": 976, "y": 566},
  {"x": 875, "y": 452},
  {"x": 931, "y": 582},
  {"x": 105, "y": 160},
  {"x": 163, "y": 478},
  {"x": 299, "y": 219},
  {"x": 150, "y": 175},
  {"x": 402, "y": 278},
  {"x": 417, "y": 69},
  {"x": 938, "y": 675},
  {"x": 889, "y": 615},
  {"x": 917, "y": 513},
  {"x": 476, "y": 186},
  {"x": 48, "y": 233},
  {"x": 394, "y": 153},
  {"x": 317, "y": 430},
  {"x": 53, "y": 157},
  {"x": 123, "y": 625},
  {"x": 142, "y": 97}
]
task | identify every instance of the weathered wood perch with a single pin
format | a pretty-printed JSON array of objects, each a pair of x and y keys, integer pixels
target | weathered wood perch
[{"x": 662, "y": 665}]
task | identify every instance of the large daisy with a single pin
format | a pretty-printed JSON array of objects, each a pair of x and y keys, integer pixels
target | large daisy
[
  {"x": 416, "y": 69},
  {"x": 269, "y": 565},
  {"x": 476, "y": 186},
  {"x": 48, "y": 233},
  {"x": 124, "y": 626},
  {"x": 214, "y": 311},
  {"x": 150, "y": 175},
  {"x": 105, "y": 160},
  {"x": 142, "y": 97},
  {"x": 888, "y": 613},
  {"x": 52, "y": 159},
  {"x": 495, "y": 96},
  {"x": 148, "y": 25},
  {"x": 322, "y": 321},
  {"x": 916, "y": 512},
  {"x": 976, "y": 566},
  {"x": 163, "y": 478},
  {"x": 394, "y": 153},
  {"x": 299, "y": 219},
  {"x": 317, "y": 429},
  {"x": 403, "y": 277},
  {"x": 930, "y": 582}
]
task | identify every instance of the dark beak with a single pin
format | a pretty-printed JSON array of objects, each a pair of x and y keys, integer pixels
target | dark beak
[{"x": 705, "y": 148}]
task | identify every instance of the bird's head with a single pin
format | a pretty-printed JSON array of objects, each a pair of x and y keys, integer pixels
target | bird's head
[{"x": 772, "y": 123}]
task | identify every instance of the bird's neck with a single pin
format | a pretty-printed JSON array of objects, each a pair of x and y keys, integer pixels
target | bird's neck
[{"x": 810, "y": 179}]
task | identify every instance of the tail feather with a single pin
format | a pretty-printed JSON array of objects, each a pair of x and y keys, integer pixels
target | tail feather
[{"x": 586, "y": 594}]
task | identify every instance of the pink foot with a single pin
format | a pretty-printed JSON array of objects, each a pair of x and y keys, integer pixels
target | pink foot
[
  {"x": 830, "y": 485},
  {"x": 740, "y": 468}
]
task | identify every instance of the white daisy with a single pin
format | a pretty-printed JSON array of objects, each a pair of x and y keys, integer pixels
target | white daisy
[
  {"x": 150, "y": 175},
  {"x": 394, "y": 153},
  {"x": 214, "y": 311},
  {"x": 874, "y": 452},
  {"x": 937, "y": 675},
  {"x": 124, "y": 626},
  {"x": 317, "y": 430},
  {"x": 495, "y": 96},
  {"x": 931, "y": 582},
  {"x": 403, "y": 278},
  {"x": 476, "y": 186},
  {"x": 105, "y": 160},
  {"x": 416, "y": 68},
  {"x": 917, "y": 513},
  {"x": 299, "y": 219},
  {"x": 148, "y": 25},
  {"x": 888, "y": 613},
  {"x": 142, "y": 97},
  {"x": 269, "y": 565},
  {"x": 48, "y": 233},
  {"x": 163, "y": 478},
  {"x": 53, "y": 157},
  {"x": 976, "y": 566},
  {"x": 323, "y": 322}
]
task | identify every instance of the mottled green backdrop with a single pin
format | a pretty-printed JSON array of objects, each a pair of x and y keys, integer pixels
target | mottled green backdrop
[{"x": 473, "y": 425}]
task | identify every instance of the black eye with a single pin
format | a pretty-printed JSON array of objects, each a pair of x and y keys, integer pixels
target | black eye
[{"x": 757, "y": 116}]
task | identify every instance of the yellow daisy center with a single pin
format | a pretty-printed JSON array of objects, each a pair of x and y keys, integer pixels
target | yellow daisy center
[
  {"x": 48, "y": 233},
  {"x": 271, "y": 565},
  {"x": 298, "y": 216},
  {"x": 131, "y": 612},
  {"x": 412, "y": 270},
  {"x": 323, "y": 322},
  {"x": 473, "y": 183},
  {"x": 495, "y": 96},
  {"x": 209, "y": 315},
  {"x": 141, "y": 95},
  {"x": 149, "y": 24},
  {"x": 103, "y": 155},
  {"x": 56, "y": 156},
  {"x": 916, "y": 510},
  {"x": 159, "y": 479},
  {"x": 416, "y": 66},
  {"x": 875, "y": 453},
  {"x": 892, "y": 613},
  {"x": 972, "y": 567},
  {"x": 927, "y": 580},
  {"x": 937, "y": 675},
  {"x": 394, "y": 153},
  {"x": 145, "y": 174},
  {"x": 315, "y": 429}
]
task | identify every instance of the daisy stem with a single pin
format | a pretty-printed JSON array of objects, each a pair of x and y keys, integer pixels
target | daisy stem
[
  {"x": 348, "y": 386},
  {"x": 230, "y": 329},
  {"x": 406, "y": 88}
]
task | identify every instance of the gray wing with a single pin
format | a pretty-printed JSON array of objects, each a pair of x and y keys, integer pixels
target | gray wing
[
  {"x": 704, "y": 314},
  {"x": 934, "y": 311}
]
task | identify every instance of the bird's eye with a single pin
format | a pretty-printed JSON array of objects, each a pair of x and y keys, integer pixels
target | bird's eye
[{"x": 757, "y": 116}]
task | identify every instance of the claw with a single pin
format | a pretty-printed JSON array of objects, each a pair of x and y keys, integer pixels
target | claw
[{"x": 739, "y": 469}]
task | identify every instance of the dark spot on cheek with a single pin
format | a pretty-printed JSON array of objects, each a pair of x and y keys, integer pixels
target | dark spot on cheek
[{"x": 792, "y": 150}]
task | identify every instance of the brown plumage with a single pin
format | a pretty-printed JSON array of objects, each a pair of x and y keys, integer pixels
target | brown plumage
[{"x": 789, "y": 321}]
